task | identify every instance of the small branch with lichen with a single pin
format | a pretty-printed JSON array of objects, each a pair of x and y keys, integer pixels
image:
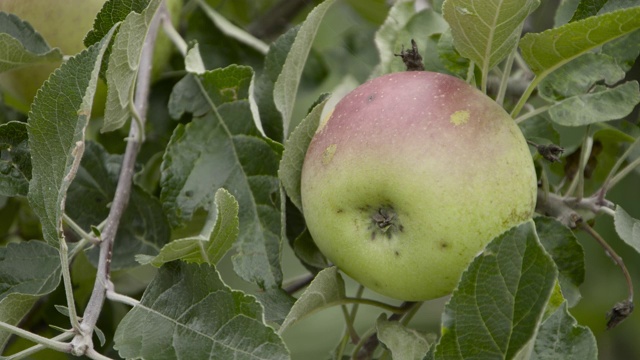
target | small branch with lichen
[
  {"x": 623, "y": 309},
  {"x": 82, "y": 343}
]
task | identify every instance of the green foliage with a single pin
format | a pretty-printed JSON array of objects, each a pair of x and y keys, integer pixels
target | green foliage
[
  {"x": 169, "y": 320},
  {"x": 20, "y": 45},
  {"x": 55, "y": 159},
  {"x": 486, "y": 32},
  {"x": 15, "y": 161},
  {"x": 213, "y": 226},
  {"x": 500, "y": 299}
]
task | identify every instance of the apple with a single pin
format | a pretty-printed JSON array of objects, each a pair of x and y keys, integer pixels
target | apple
[
  {"x": 409, "y": 177},
  {"x": 63, "y": 24}
]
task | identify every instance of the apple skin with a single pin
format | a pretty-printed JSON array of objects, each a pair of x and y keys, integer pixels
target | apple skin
[{"x": 409, "y": 177}]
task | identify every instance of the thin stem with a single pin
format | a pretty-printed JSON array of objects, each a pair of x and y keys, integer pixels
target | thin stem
[
  {"x": 93, "y": 354},
  {"x": 372, "y": 342},
  {"x": 124, "y": 299},
  {"x": 532, "y": 113},
  {"x": 78, "y": 229},
  {"x": 376, "y": 303},
  {"x": 624, "y": 172},
  {"x": 612, "y": 254},
  {"x": 577, "y": 185},
  {"x": 525, "y": 96},
  {"x": 68, "y": 288},
  {"x": 174, "y": 36},
  {"x": 39, "y": 347},
  {"x": 298, "y": 283},
  {"x": 607, "y": 185},
  {"x": 350, "y": 330},
  {"x": 504, "y": 80},
  {"x": 82, "y": 342},
  {"x": 46, "y": 342}
]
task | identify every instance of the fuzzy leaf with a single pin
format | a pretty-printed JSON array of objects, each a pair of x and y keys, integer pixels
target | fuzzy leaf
[
  {"x": 216, "y": 238},
  {"x": 28, "y": 270},
  {"x": 293, "y": 156},
  {"x": 21, "y": 45},
  {"x": 627, "y": 228},
  {"x": 546, "y": 51},
  {"x": 57, "y": 121},
  {"x": 601, "y": 104},
  {"x": 560, "y": 337},
  {"x": 15, "y": 160},
  {"x": 403, "y": 342},
  {"x": 112, "y": 12},
  {"x": 223, "y": 148},
  {"x": 188, "y": 312},
  {"x": 326, "y": 290},
  {"x": 486, "y": 31},
  {"x": 286, "y": 87},
  {"x": 578, "y": 76},
  {"x": 123, "y": 66},
  {"x": 567, "y": 253},
  {"x": 500, "y": 299},
  {"x": 265, "y": 82}
]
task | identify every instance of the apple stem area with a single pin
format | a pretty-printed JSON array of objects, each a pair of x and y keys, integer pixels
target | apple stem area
[{"x": 411, "y": 58}]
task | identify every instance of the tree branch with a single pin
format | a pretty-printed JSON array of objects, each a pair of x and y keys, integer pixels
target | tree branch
[{"x": 82, "y": 343}]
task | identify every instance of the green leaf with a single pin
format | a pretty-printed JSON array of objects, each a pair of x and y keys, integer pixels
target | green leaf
[
  {"x": 546, "y": 51},
  {"x": 286, "y": 87},
  {"x": 567, "y": 253},
  {"x": 216, "y": 238},
  {"x": 587, "y": 8},
  {"x": 579, "y": 76},
  {"x": 188, "y": 312},
  {"x": 308, "y": 252},
  {"x": 601, "y": 104},
  {"x": 625, "y": 50},
  {"x": 21, "y": 45},
  {"x": 627, "y": 228},
  {"x": 326, "y": 290},
  {"x": 486, "y": 31},
  {"x": 560, "y": 337},
  {"x": 403, "y": 342},
  {"x": 15, "y": 160},
  {"x": 401, "y": 25},
  {"x": 213, "y": 152},
  {"x": 123, "y": 66},
  {"x": 143, "y": 228},
  {"x": 220, "y": 86},
  {"x": 28, "y": 270},
  {"x": 277, "y": 303},
  {"x": 112, "y": 12},
  {"x": 290, "y": 168},
  {"x": 500, "y": 299},
  {"x": 450, "y": 57},
  {"x": 57, "y": 121}
]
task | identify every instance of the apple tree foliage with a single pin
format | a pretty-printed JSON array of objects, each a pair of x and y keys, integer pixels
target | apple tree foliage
[{"x": 114, "y": 225}]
